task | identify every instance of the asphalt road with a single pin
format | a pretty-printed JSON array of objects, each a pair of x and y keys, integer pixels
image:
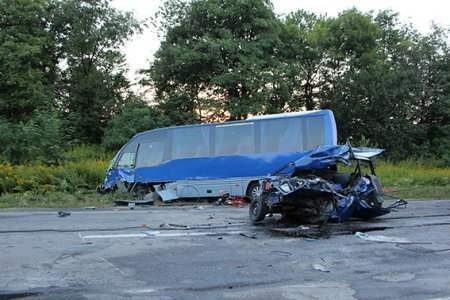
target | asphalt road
[{"x": 212, "y": 252}]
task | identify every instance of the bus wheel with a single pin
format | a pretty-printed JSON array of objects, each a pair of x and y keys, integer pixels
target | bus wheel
[
  {"x": 253, "y": 190},
  {"x": 139, "y": 191},
  {"x": 258, "y": 209}
]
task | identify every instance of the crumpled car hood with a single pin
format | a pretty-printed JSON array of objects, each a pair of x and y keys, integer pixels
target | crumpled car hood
[{"x": 326, "y": 155}]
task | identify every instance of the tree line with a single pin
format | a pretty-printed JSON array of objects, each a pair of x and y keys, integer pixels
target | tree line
[{"x": 62, "y": 74}]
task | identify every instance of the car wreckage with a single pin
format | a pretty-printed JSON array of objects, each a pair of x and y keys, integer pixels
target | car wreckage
[{"x": 311, "y": 189}]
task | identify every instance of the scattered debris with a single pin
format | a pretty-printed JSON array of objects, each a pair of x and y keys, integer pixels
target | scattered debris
[
  {"x": 227, "y": 199},
  {"x": 320, "y": 268},
  {"x": 395, "y": 277},
  {"x": 237, "y": 201},
  {"x": 310, "y": 239},
  {"x": 151, "y": 233},
  {"x": 282, "y": 253},
  {"x": 381, "y": 238},
  {"x": 422, "y": 250},
  {"x": 178, "y": 225},
  {"x": 131, "y": 205},
  {"x": 313, "y": 233},
  {"x": 252, "y": 236},
  {"x": 135, "y": 202},
  {"x": 90, "y": 207},
  {"x": 63, "y": 214}
]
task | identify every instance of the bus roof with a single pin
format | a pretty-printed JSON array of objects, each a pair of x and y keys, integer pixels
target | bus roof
[
  {"x": 250, "y": 119},
  {"x": 284, "y": 115}
]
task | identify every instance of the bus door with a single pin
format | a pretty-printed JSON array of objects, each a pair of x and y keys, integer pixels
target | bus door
[{"x": 124, "y": 170}]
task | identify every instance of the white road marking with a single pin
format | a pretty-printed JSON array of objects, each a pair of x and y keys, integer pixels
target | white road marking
[{"x": 158, "y": 234}]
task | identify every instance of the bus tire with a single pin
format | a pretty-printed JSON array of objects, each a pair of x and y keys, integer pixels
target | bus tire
[
  {"x": 253, "y": 190},
  {"x": 258, "y": 209}
]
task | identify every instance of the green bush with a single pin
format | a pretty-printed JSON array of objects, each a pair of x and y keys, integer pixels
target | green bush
[
  {"x": 83, "y": 170},
  {"x": 135, "y": 117},
  {"x": 39, "y": 140}
]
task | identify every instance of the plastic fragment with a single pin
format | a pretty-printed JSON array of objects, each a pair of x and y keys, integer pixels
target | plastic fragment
[
  {"x": 320, "y": 268},
  {"x": 63, "y": 214},
  {"x": 309, "y": 239},
  {"x": 381, "y": 238},
  {"x": 151, "y": 233}
]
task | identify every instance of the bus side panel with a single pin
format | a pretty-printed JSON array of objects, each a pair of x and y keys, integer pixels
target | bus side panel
[
  {"x": 255, "y": 165},
  {"x": 207, "y": 188}
]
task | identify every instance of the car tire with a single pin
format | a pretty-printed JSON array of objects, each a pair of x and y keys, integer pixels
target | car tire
[{"x": 258, "y": 209}]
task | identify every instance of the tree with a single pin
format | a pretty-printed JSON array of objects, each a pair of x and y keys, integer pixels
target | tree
[
  {"x": 221, "y": 58},
  {"x": 25, "y": 63},
  {"x": 93, "y": 86},
  {"x": 433, "y": 109},
  {"x": 136, "y": 116},
  {"x": 371, "y": 85},
  {"x": 30, "y": 129},
  {"x": 304, "y": 56}
]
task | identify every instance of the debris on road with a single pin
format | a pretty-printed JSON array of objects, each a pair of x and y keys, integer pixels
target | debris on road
[
  {"x": 381, "y": 238},
  {"x": 227, "y": 199},
  {"x": 135, "y": 202},
  {"x": 282, "y": 253},
  {"x": 252, "y": 236},
  {"x": 63, "y": 214},
  {"x": 320, "y": 268}
]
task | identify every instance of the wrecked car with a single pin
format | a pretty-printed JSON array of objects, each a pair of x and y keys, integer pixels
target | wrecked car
[{"x": 311, "y": 189}]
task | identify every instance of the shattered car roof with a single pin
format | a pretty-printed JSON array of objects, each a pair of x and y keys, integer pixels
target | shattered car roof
[{"x": 326, "y": 155}]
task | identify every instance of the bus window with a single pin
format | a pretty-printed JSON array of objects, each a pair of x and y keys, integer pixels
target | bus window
[
  {"x": 271, "y": 134},
  {"x": 316, "y": 132},
  {"x": 150, "y": 153},
  {"x": 234, "y": 139},
  {"x": 281, "y": 135},
  {"x": 190, "y": 142},
  {"x": 126, "y": 160}
]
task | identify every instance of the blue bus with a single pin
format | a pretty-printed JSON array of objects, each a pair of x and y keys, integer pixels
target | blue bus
[{"x": 207, "y": 160}]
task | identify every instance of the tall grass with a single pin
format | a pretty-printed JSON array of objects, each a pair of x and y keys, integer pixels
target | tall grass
[
  {"x": 413, "y": 173},
  {"x": 83, "y": 169},
  {"x": 74, "y": 180},
  {"x": 414, "y": 178}
]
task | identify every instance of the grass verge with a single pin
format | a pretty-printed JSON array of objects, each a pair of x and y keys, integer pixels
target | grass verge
[{"x": 72, "y": 183}]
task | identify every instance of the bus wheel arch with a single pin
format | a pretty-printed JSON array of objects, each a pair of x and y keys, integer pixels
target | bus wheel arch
[{"x": 253, "y": 190}]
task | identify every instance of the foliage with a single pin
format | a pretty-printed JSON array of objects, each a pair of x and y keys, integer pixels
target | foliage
[
  {"x": 61, "y": 67},
  {"x": 40, "y": 139},
  {"x": 304, "y": 52},
  {"x": 383, "y": 80},
  {"x": 86, "y": 152},
  {"x": 74, "y": 181},
  {"x": 93, "y": 85},
  {"x": 63, "y": 75},
  {"x": 82, "y": 171},
  {"x": 136, "y": 116},
  {"x": 25, "y": 64},
  {"x": 218, "y": 58}
]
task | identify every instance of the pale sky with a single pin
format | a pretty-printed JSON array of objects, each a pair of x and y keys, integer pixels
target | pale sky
[{"x": 421, "y": 13}]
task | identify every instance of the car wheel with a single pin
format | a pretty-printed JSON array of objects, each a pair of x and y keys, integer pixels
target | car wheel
[
  {"x": 258, "y": 209},
  {"x": 326, "y": 209}
]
